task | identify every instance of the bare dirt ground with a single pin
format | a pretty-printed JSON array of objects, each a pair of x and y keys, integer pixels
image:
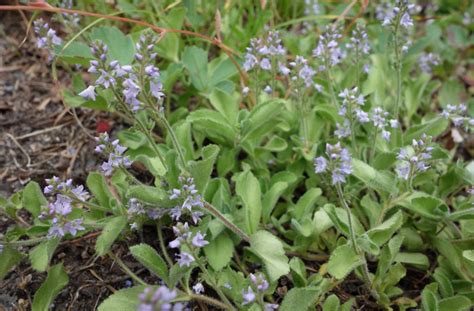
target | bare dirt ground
[{"x": 39, "y": 138}]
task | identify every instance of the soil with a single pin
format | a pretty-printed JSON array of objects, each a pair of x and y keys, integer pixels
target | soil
[{"x": 41, "y": 137}]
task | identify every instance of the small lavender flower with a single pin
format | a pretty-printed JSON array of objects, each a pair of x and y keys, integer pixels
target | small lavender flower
[
  {"x": 182, "y": 234},
  {"x": 398, "y": 13},
  {"x": 88, "y": 93},
  {"x": 311, "y": 8},
  {"x": 198, "y": 288},
  {"x": 428, "y": 60},
  {"x": 271, "y": 307},
  {"x": 135, "y": 207},
  {"x": 262, "y": 50},
  {"x": 458, "y": 115},
  {"x": 343, "y": 130},
  {"x": 329, "y": 50},
  {"x": 359, "y": 40},
  {"x": 1, "y": 248},
  {"x": 198, "y": 240},
  {"x": 415, "y": 160},
  {"x": 248, "y": 296},
  {"x": 380, "y": 122},
  {"x": 189, "y": 200},
  {"x": 115, "y": 153},
  {"x": 185, "y": 259},
  {"x": 268, "y": 89},
  {"x": 338, "y": 163},
  {"x": 160, "y": 299},
  {"x": 259, "y": 281},
  {"x": 70, "y": 19},
  {"x": 302, "y": 74},
  {"x": 47, "y": 37}
]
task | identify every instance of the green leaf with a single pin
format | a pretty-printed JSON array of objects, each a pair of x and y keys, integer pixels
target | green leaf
[
  {"x": 201, "y": 170},
  {"x": 469, "y": 255},
  {"x": 98, "y": 187},
  {"x": 417, "y": 259},
  {"x": 149, "y": 194},
  {"x": 331, "y": 303},
  {"x": 41, "y": 255},
  {"x": 458, "y": 303},
  {"x": 304, "y": 298},
  {"x": 248, "y": 189},
  {"x": 306, "y": 202},
  {"x": 132, "y": 139},
  {"x": 148, "y": 257},
  {"x": 32, "y": 198},
  {"x": 270, "y": 250},
  {"x": 109, "y": 234},
  {"x": 123, "y": 300},
  {"x": 425, "y": 205},
  {"x": 219, "y": 251},
  {"x": 343, "y": 260},
  {"x": 383, "y": 232},
  {"x": 429, "y": 300},
  {"x": 214, "y": 125},
  {"x": 298, "y": 271},
  {"x": 56, "y": 280},
  {"x": 271, "y": 198},
  {"x": 433, "y": 128},
  {"x": 121, "y": 47},
  {"x": 261, "y": 119},
  {"x": 227, "y": 104},
  {"x": 195, "y": 61},
  {"x": 276, "y": 144},
  {"x": 373, "y": 178},
  {"x": 9, "y": 257},
  {"x": 220, "y": 70}
]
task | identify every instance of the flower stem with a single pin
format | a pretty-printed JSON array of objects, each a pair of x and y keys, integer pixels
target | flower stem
[
  {"x": 162, "y": 244},
  {"x": 126, "y": 269},
  {"x": 175, "y": 141},
  {"x": 216, "y": 213},
  {"x": 365, "y": 268},
  {"x": 24, "y": 242}
]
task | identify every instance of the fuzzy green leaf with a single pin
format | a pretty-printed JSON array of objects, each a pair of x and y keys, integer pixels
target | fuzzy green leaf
[
  {"x": 109, "y": 234},
  {"x": 32, "y": 198},
  {"x": 248, "y": 189},
  {"x": 56, "y": 280},
  {"x": 270, "y": 250},
  {"x": 148, "y": 257}
]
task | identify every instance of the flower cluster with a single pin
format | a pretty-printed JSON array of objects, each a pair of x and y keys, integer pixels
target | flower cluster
[
  {"x": 47, "y": 37},
  {"x": 158, "y": 300},
  {"x": 428, "y": 60},
  {"x": 379, "y": 119},
  {"x": 188, "y": 198},
  {"x": 350, "y": 109},
  {"x": 302, "y": 74},
  {"x": 261, "y": 52},
  {"x": 60, "y": 209},
  {"x": 192, "y": 241},
  {"x": 329, "y": 50},
  {"x": 135, "y": 91},
  {"x": 458, "y": 115},
  {"x": 114, "y": 152},
  {"x": 390, "y": 15},
  {"x": 311, "y": 8},
  {"x": 69, "y": 18},
  {"x": 339, "y": 163},
  {"x": 415, "y": 160},
  {"x": 360, "y": 44},
  {"x": 258, "y": 286}
]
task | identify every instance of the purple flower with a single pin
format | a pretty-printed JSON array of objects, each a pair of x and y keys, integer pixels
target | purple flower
[
  {"x": 114, "y": 151},
  {"x": 248, "y": 296},
  {"x": 343, "y": 130},
  {"x": 47, "y": 37},
  {"x": 160, "y": 299},
  {"x": 359, "y": 40},
  {"x": 259, "y": 281},
  {"x": 198, "y": 240},
  {"x": 427, "y": 60},
  {"x": 414, "y": 161},
  {"x": 88, "y": 93},
  {"x": 329, "y": 49},
  {"x": 320, "y": 165},
  {"x": 188, "y": 199},
  {"x": 271, "y": 307},
  {"x": 80, "y": 193},
  {"x": 339, "y": 163},
  {"x": 185, "y": 259}
]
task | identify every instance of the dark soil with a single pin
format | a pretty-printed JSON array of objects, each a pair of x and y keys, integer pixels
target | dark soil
[{"x": 40, "y": 137}]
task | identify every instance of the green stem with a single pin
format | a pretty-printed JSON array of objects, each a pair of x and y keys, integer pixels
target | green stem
[
  {"x": 365, "y": 268},
  {"x": 304, "y": 116},
  {"x": 208, "y": 300},
  {"x": 162, "y": 244},
  {"x": 175, "y": 141},
  {"x": 24, "y": 242},
  {"x": 126, "y": 269},
  {"x": 398, "y": 67},
  {"x": 216, "y": 213},
  {"x": 211, "y": 278}
]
